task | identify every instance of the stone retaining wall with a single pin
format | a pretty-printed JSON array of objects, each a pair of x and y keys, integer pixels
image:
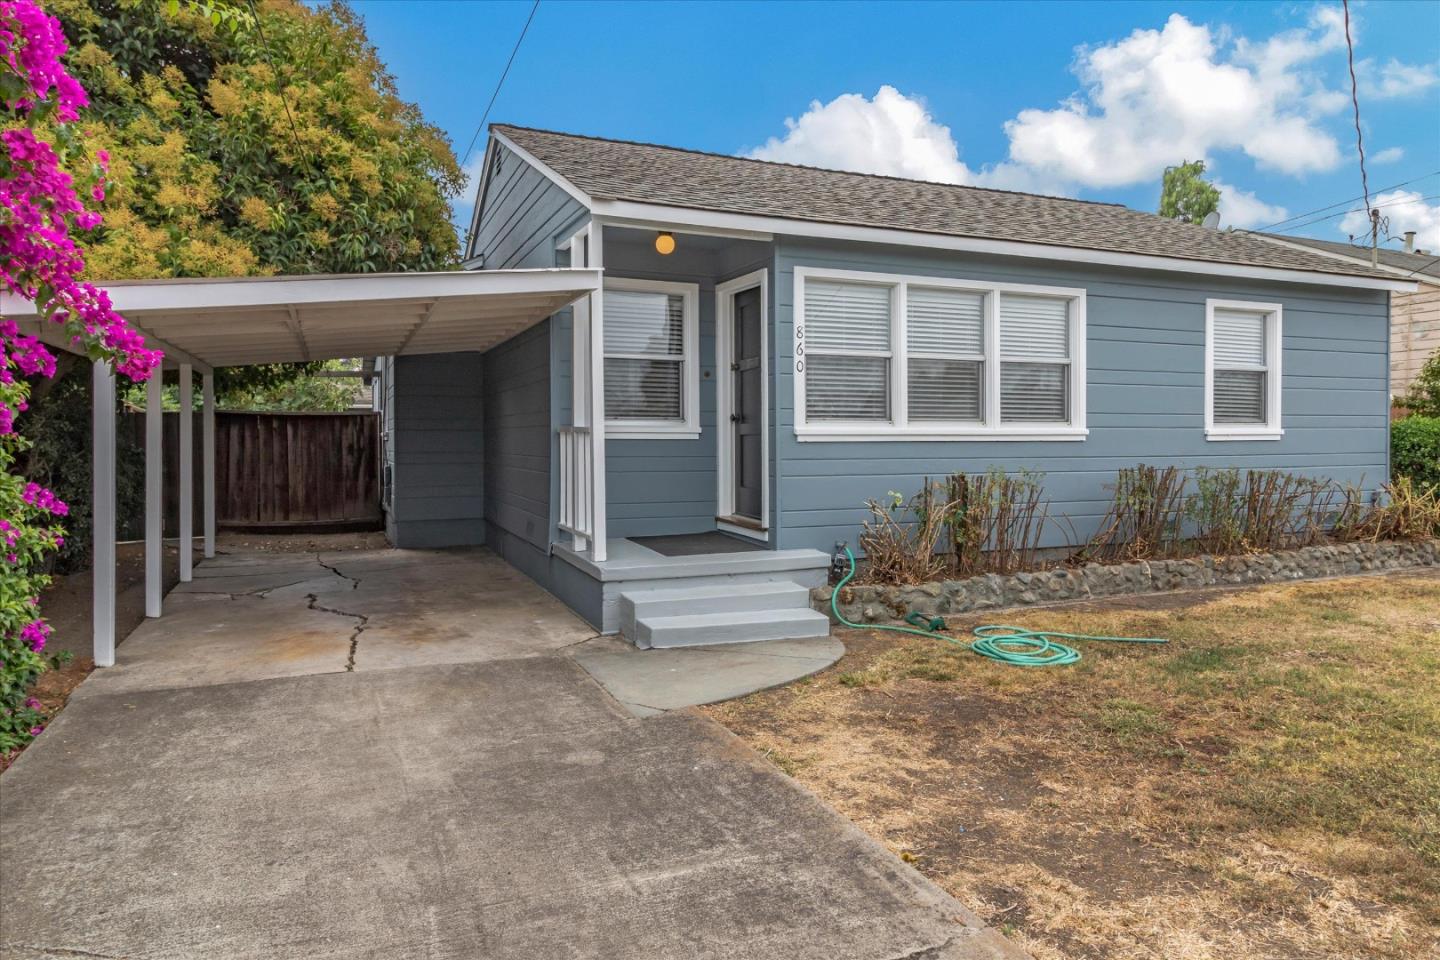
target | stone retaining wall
[{"x": 875, "y": 603}]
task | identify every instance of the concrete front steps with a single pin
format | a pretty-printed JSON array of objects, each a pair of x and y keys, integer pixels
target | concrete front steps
[{"x": 726, "y": 612}]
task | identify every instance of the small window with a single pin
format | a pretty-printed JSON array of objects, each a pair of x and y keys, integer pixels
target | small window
[
  {"x": 1242, "y": 371},
  {"x": 651, "y": 377},
  {"x": 945, "y": 334}
]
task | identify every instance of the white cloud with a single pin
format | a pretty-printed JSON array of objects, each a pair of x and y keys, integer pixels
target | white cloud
[
  {"x": 1389, "y": 155},
  {"x": 1161, "y": 96},
  {"x": 1394, "y": 79},
  {"x": 891, "y": 134},
  {"x": 1404, "y": 210},
  {"x": 1241, "y": 208}
]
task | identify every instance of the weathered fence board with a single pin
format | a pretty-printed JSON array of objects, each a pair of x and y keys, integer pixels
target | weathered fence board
[{"x": 278, "y": 470}]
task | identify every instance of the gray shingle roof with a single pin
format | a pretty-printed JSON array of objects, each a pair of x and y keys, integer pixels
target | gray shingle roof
[
  {"x": 648, "y": 173},
  {"x": 1426, "y": 264}
]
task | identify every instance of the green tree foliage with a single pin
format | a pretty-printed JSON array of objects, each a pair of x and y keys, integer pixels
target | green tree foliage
[
  {"x": 243, "y": 148},
  {"x": 1424, "y": 395},
  {"x": 1415, "y": 451},
  {"x": 1186, "y": 195}
]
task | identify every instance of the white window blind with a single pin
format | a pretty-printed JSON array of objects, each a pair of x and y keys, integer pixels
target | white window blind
[
  {"x": 945, "y": 347},
  {"x": 644, "y": 356},
  {"x": 847, "y": 351},
  {"x": 1034, "y": 359},
  {"x": 1239, "y": 387}
]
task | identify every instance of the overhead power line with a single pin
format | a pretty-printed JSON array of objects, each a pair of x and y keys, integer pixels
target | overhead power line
[
  {"x": 503, "y": 74},
  {"x": 1341, "y": 203},
  {"x": 280, "y": 88}
]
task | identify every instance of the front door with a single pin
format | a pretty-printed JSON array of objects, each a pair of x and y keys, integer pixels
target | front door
[{"x": 747, "y": 412}]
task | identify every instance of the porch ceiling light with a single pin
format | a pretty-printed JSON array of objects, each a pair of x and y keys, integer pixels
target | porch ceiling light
[{"x": 664, "y": 244}]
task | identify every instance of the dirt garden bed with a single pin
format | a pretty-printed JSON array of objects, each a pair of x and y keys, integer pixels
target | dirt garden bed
[{"x": 1265, "y": 786}]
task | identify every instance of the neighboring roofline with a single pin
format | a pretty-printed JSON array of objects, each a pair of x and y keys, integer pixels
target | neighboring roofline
[
  {"x": 651, "y": 214},
  {"x": 1358, "y": 257},
  {"x": 659, "y": 215},
  {"x": 486, "y": 165}
]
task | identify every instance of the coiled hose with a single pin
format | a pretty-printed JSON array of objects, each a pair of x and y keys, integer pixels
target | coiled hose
[{"x": 1013, "y": 645}]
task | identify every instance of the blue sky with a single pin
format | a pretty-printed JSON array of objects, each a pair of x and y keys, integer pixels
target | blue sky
[{"x": 1082, "y": 99}]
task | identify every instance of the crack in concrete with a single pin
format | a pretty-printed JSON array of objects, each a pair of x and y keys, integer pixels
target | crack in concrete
[
  {"x": 67, "y": 951},
  {"x": 262, "y": 592},
  {"x": 361, "y": 620},
  {"x": 354, "y": 581},
  {"x": 927, "y": 953}
]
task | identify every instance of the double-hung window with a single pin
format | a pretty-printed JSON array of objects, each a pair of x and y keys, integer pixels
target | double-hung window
[
  {"x": 1242, "y": 370},
  {"x": 886, "y": 357},
  {"x": 652, "y": 377}
]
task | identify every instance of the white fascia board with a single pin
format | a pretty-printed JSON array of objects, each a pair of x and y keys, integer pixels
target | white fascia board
[
  {"x": 580, "y": 196},
  {"x": 1347, "y": 258},
  {"x": 684, "y": 217},
  {"x": 200, "y": 294},
  {"x": 478, "y": 208}
]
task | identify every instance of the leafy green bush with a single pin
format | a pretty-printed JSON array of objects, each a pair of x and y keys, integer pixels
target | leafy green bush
[
  {"x": 1424, "y": 395},
  {"x": 1415, "y": 451}
]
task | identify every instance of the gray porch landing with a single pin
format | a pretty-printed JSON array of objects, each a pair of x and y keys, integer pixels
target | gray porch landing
[{"x": 655, "y": 600}]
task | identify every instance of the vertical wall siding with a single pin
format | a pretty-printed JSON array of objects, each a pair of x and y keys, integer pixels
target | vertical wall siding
[
  {"x": 1145, "y": 345},
  {"x": 523, "y": 214},
  {"x": 518, "y": 435},
  {"x": 439, "y": 451}
]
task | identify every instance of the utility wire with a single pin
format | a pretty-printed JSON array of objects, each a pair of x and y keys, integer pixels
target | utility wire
[
  {"x": 280, "y": 87},
  {"x": 1341, "y": 213},
  {"x": 1341, "y": 203},
  {"x": 505, "y": 73},
  {"x": 1370, "y": 213}
]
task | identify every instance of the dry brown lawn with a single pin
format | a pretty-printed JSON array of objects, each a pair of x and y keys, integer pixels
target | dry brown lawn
[{"x": 1266, "y": 785}]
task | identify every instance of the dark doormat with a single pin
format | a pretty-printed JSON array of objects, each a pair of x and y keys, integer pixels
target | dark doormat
[{"x": 694, "y": 544}]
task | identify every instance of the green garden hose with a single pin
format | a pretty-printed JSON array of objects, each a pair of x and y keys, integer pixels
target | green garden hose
[{"x": 1014, "y": 645}]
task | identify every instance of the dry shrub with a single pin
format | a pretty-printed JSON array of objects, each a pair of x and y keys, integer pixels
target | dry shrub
[
  {"x": 994, "y": 521},
  {"x": 1258, "y": 510},
  {"x": 1410, "y": 513},
  {"x": 900, "y": 537},
  {"x": 1145, "y": 518}
]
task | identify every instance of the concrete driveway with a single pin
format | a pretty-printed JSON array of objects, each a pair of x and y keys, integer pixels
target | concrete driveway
[{"x": 392, "y": 755}]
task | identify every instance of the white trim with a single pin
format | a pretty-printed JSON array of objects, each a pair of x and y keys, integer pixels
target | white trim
[
  {"x": 668, "y": 224},
  {"x": 688, "y": 427},
  {"x": 1272, "y": 429},
  {"x": 487, "y": 159},
  {"x": 759, "y": 536},
  {"x": 685, "y": 218},
  {"x": 186, "y": 479},
  {"x": 1360, "y": 257},
  {"x": 154, "y": 496},
  {"x": 991, "y": 427},
  {"x": 102, "y": 505},
  {"x": 599, "y": 509},
  {"x": 579, "y": 195},
  {"x": 724, "y": 440},
  {"x": 207, "y": 445}
]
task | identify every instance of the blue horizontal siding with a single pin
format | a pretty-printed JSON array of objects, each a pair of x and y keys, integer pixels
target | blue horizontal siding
[{"x": 1145, "y": 349}]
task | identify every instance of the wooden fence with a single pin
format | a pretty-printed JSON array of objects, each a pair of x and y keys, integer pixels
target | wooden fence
[{"x": 279, "y": 471}]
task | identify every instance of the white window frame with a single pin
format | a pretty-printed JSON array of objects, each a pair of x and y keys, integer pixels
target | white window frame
[
  {"x": 688, "y": 427},
  {"x": 1274, "y": 388},
  {"x": 899, "y": 427}
]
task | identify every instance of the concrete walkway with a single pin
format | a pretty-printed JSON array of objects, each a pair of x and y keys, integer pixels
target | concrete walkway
[{"x": 260, "y": 783}]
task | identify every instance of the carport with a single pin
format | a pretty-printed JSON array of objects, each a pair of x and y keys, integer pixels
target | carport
[{"x": 205, "y": 324}]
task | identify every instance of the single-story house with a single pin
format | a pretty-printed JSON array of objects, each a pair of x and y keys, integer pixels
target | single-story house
[
  {"x": 667, "y": 381},
  {"x": 1414, "y": 317}
]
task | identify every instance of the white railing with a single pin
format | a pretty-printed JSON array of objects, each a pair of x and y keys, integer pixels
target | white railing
[{"x": 577, "y": 483}]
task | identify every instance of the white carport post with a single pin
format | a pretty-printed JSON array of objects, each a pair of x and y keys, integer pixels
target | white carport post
[
  {"x": 187, "y": 472},
  {"x": 207, "y": 440},
  {"x": 154, "y": 491},
  {"x": 102, "y": 506},
  {"x": 595, "y": 257}
]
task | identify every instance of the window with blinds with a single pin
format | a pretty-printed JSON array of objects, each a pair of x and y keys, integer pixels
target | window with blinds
[
  {"x": 945, "y": 346},
  {"x": 847, "y": 351},
  {"x": 1034, "y": 359},
  {"x": 649, "y": 358},
  {"x": 881, "y": 356},
  {"x": 1242, "y": 370}
]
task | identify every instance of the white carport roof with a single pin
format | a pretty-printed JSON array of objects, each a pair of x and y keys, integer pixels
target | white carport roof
[{"x": 233, "y": 322}]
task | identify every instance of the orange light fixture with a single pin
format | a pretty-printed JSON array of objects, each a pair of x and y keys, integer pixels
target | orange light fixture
[{"x": 664, "y": 244}]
